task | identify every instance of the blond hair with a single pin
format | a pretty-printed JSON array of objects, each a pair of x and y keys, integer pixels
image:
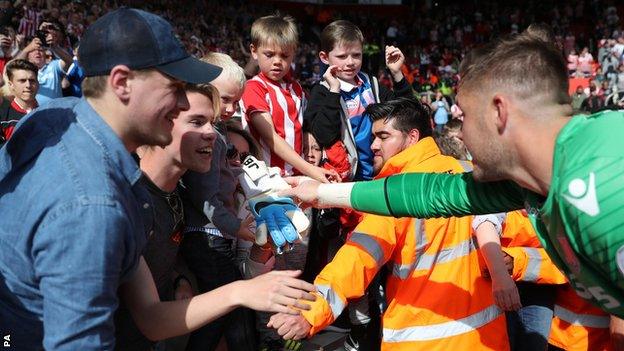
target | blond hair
[
  {"x": 232, "y": 70},
  {"x": 211, "y": 93},
  {"x": 275, "y": 29}
]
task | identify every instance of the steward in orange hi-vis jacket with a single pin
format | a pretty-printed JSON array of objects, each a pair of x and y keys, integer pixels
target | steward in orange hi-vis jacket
[{"x": 437, "y": 297}]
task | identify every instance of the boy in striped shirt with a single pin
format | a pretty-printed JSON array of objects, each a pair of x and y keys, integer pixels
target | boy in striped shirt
[{"x": 274, "y": 102}]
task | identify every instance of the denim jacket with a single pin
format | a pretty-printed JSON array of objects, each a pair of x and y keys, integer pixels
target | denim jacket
[{"x": 73, "y": 222}]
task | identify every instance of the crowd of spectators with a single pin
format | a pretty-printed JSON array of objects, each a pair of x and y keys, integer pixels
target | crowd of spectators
[
  {"x": 434, "y": 39},
  {"x": 39, "y": 41}
]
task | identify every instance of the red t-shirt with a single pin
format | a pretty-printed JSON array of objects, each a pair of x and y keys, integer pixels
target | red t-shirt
[{"x": 286, "y": 103}]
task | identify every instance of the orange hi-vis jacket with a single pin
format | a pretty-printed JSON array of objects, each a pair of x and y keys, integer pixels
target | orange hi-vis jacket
[
  {"x": 437, "y": 297},
  {"x": 578, "y": 325},
  {"x": 531, "y": 263}
]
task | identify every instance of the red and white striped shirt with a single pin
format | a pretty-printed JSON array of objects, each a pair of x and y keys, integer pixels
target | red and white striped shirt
[
  {"x": 286, "y": 103},
  {"x": 30, "y": 22}
]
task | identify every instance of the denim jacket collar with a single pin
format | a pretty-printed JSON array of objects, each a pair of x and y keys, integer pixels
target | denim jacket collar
[{"x": 106, "y": 138}]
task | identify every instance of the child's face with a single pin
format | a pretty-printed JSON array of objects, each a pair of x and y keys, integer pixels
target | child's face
[
  {"x": 230, "y": 93},
  {"x": 311, "y": 150},
  {"x": 274, "y": 61},
  {"x": 348, "y": 57}
]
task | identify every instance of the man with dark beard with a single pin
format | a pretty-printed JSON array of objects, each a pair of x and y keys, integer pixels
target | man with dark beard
[{"x": 527, "y": 153}]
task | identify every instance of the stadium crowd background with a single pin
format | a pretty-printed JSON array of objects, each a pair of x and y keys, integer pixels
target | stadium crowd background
[{"x": 433, "y": 35}]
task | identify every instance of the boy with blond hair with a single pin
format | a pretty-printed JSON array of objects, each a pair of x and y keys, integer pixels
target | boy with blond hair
[{"x": 274, "y": 102}]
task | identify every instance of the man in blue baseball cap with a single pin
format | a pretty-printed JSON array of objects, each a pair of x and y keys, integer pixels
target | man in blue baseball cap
[{"x": 75, "y": 217}]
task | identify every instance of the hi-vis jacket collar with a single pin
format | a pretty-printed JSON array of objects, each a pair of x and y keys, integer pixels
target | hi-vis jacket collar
[{"x": 423, "y": 150}]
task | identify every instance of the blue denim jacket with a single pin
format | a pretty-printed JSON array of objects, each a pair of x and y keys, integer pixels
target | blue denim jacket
[{"x": 73, "y": 223}]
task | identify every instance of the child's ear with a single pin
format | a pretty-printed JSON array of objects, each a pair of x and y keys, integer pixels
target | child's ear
[
  {"x": 324, "y": 57},
  {"x": 253, "y": 51}
]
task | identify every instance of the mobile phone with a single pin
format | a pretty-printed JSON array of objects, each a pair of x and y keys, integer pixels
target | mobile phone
[{"x": 42, "y": 36}]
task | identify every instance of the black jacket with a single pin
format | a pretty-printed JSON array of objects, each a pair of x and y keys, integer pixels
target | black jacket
[{"x": 322, "y": 115}]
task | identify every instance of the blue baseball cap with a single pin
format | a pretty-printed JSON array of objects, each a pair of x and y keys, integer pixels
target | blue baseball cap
[{"x": 139, "y": 39}]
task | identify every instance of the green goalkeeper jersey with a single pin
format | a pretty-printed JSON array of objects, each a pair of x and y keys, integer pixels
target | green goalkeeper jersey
[{"x": 580, "y": 223}]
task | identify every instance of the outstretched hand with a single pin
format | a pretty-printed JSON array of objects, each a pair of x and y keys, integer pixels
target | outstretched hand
[
  {"x": 290, "y": 326},
  {"x": 304, "y": 190},
  {"x": 506, "y": 294},
  {"x": 276, "y": 291}
]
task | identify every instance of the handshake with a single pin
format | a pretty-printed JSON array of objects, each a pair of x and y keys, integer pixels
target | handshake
[{"x": 276, "y": 216}]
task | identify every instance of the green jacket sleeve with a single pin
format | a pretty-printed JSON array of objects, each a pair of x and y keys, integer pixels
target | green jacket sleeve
[{"x": 429, "y": 195}]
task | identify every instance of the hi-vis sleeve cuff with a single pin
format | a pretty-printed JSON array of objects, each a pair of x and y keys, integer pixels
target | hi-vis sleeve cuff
[
  {"x": 335, "y": 195},
  {"x": 533, "y": 265},
  {"x": 322, "y": 312}
]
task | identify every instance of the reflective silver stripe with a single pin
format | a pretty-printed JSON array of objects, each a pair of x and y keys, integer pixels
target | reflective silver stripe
[
  {"x": 426, "y": 261},
  {"x": 584, "y": 320},
  {"x": 467, "y": 166},
  {"x": 446, "y": 255},
  {"x": 359, "y": 313},
  {"x": 404, "y": 270},
  {"x": 442, "y": 330},
  {"x": 533, "y": 266},
  {"x": 370, "y": 245},
  {"x": 334, "y": 301}
]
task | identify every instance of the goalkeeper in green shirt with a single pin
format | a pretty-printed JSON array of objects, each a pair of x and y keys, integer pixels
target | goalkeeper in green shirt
[{"x": 528, "y": 152}]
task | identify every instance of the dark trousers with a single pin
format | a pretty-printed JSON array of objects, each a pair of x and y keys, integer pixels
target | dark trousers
[{"x": 212, "y": 260}]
